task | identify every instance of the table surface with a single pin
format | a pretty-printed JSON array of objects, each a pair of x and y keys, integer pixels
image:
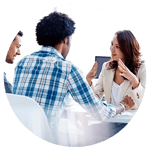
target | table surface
[
  {"x": 75, "y": 108},
  {"x": 76, "y": 122}
]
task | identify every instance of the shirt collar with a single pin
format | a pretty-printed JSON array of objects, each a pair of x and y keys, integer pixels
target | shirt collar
[{"x": 51, "y": 50}]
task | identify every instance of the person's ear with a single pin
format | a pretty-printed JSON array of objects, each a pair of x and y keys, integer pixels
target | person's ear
[{"x": 66, "y": 41}]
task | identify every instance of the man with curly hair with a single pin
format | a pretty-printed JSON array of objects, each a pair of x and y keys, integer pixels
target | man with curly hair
[{"x": 48, "y": 78}]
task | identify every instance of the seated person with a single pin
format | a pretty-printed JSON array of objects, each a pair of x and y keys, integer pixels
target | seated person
[
  {"x": 124, "y": 74},
  {"x": 13, "y": 51},
  {"x": 48, "y": 78}
]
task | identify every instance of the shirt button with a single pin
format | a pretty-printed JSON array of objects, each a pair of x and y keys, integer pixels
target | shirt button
[{"x": 138, "y": 95}]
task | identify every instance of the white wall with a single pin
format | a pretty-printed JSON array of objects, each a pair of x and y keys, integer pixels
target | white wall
[{"x": 94, "y": 31}]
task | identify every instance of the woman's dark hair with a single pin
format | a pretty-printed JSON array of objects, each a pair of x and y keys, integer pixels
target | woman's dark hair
[
  {"x": 54, "y": 28},
  {"x": 130, "y": 48}
]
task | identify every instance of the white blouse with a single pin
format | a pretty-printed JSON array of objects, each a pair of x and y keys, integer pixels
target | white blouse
[{"x": 116, "y": 95}]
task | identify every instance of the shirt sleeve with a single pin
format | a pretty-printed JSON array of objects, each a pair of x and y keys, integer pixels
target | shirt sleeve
[
  {"x": 83, "y": 94},
  {"x": 8, "y": 86},
  {"x": 139, "y": 91}
]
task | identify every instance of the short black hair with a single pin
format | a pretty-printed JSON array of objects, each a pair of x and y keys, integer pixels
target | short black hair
[
  {"x": 20, "y": 33},
  {"x": 54, "y": 28}
]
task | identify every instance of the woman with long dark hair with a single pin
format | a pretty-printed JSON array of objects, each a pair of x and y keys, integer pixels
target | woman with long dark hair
[{"x": 124, "y": 74}]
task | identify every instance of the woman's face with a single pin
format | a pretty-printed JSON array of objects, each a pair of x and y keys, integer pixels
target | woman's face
[{"x": 115, "y": 50}]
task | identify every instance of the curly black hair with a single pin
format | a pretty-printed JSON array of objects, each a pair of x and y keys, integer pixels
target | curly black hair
[{"x": 54, "y": 28}]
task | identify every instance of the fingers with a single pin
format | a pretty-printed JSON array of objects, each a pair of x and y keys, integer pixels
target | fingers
[
  {"x": 95, "y": 77},
  {"x": 95, "y": 65},
  {"x": 123, "y": 72},
  {"x": 128, "y": 102},
  {"x": 125, "y": 98},
  {"x": 91, "y": 75},
  {"x": 93, "y": 72},
  {"x": 121, "y": 64},
  {"x": 128, "y": 99},
  {"x": 94, "y": 68},
  {"x": 121, "y": 69}
]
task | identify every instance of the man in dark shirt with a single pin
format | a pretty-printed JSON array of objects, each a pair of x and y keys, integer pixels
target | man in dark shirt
[{"x": 13, "y": 51}]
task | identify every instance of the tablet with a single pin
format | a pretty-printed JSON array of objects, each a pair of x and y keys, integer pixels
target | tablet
[{"x": 100, "y": 60}]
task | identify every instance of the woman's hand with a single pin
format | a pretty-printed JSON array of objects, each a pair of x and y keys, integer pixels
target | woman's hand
[
  {"x": 125, "y": 72},
  {"x": 91, "y": 75}
]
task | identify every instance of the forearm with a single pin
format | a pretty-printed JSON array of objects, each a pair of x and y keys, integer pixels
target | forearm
[
  {"x": 135, "y": 82},
  {"x": 119, "y": 109}
]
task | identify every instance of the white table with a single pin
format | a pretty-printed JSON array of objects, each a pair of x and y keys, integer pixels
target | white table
[
  {"x": 124, "y": 118},
  {"x": 76, "y": 122},
  {"x": 80, "y": 119},
  {"x": 82, "y": 116}
]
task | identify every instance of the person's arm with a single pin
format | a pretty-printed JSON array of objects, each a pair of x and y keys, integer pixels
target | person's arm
[
  {"x": 126, "y": 104},
  {"x": 125, "y": 72},
  {"x": 119, "y": 109},
  {"x": 8, "y": 86},
  {"x": 138, "y": 82},
  {"x": 91, "y": 75},
  {"x": 98, "y": 88},
  {"x": 83, "y": 94}
]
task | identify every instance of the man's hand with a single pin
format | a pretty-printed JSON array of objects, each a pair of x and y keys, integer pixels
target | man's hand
[
  {"x": 91, "y": 75},
  {"x": 128, "y": 102}
]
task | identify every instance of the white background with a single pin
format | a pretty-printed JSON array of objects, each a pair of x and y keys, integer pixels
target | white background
[{"x": 95, "y": 28}]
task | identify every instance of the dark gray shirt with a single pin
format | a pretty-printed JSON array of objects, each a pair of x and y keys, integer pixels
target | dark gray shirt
[{"x": 8, "y": 86}]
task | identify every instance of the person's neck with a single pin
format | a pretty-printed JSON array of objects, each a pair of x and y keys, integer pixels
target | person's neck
[
  {"x": 59, "y": 47},
  {"x": 117, "y": 70}
]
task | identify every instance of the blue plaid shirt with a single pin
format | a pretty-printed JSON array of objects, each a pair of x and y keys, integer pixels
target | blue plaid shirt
[{"x": 48, "y": 78}]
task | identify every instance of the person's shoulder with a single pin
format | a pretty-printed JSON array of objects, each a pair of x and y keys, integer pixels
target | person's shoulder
[
  {"x": 22, "y": 61},
  {"x": 64, "y": 65},
  {"x": 5, "y": 78},
  {"x": 73, "y": 67},
  {"x": 142, "y": 66},
  {"x": 4, "y": 74},
  {"x": 106, "y": 64}
]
